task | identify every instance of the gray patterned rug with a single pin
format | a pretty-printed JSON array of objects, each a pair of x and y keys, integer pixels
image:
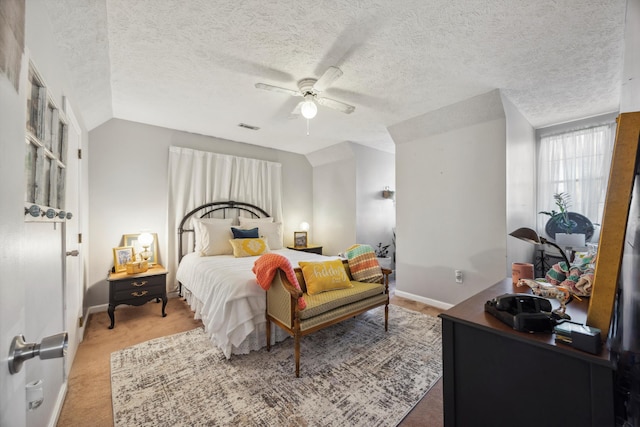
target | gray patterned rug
[{"x": 351, "y": 374}]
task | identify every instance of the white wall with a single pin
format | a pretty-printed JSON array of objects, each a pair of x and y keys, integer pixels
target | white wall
[
  {"x": 334, "y": 198},
  {"x": 375, "y": 216},
  {"x": 521, "y": 183},
  {"x": 348, "y": 207},
  {"x": 451, "y": 200},
  {"x": 128, "y": 165}
]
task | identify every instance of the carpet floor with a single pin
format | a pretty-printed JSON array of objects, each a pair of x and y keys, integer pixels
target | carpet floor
[{"x": 353, "y": 373}]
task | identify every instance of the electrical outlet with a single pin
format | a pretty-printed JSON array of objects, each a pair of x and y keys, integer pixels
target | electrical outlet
[{"x": 458, "y": 276}]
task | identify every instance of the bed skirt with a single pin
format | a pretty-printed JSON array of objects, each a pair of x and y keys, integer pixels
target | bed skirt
[{"x": 251, "y": 337}]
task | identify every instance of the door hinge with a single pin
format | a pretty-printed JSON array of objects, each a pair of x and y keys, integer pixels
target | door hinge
[
  {"x": 79, "y": 153},
  {"x": 79, "y": 237},
  {"x": 80, "y": 321}
]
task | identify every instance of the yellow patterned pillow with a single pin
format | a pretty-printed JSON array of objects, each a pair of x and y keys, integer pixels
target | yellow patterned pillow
[
  {"x": 324, "y": 276},
  {"x": 249, "y": 247}
]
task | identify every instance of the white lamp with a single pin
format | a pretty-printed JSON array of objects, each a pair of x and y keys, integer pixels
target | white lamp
[
  {"x": 309, "y": 109},
  {"x": 304, "y": 226},
  {"x": 145, "y": 239}
]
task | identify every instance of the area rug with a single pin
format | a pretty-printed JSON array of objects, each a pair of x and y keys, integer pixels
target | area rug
[{"x": 351, "y": 374}]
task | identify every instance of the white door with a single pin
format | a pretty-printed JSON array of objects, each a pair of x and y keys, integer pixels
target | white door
[{"x": 73, "y": 284}]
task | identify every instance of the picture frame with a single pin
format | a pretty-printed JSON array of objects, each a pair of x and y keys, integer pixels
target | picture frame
[
  {"x": 300, "y": 239},
  {"x": 121, "y": 256},
  {"x": 132, "y": 240}
]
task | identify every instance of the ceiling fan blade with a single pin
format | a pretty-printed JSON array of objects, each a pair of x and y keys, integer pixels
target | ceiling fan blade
[
  {"x": 278, "y": 89},
  {"x": 329, "y": 76},
  {"x": 296, "y": 111},
  {"x": 336, "y": 105}
]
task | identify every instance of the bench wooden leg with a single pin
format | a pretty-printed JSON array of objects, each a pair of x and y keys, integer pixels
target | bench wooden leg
[
  {"x": 296, "y": 341},
  {"x": 268, "y": 334},
  {"x": 386, "y": 317}
]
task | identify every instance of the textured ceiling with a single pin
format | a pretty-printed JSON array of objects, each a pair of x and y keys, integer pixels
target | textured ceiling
[{"x": 192, "y": 64}]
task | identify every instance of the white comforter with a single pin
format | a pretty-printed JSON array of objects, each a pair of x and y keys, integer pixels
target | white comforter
[{"x": 223, "y": 292}]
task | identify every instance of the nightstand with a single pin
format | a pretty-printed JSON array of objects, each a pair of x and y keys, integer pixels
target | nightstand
[
  {"x": 309, "y": 248},
  {"x": 137, "y": 289}
]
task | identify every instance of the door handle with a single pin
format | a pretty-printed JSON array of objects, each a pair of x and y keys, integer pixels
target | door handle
[{"x": 74, "y": 252}]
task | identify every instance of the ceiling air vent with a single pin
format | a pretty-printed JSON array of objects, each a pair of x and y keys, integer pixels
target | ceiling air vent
[{"x": 246, "y": 126}]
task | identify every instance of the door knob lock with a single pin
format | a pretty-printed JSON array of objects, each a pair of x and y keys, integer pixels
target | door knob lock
[
  {"x": 50, "y": 348},
  {"x": 74, "y": 252}
]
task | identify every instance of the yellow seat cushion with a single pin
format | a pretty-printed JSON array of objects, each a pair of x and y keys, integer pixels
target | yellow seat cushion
[
  {"x": 327, "y": 301},
  {"x": 324, "y": 276}
]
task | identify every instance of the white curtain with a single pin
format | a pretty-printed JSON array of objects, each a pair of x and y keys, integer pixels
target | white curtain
[
  {"x": 576, "y": 163},
  {"x": 199, "y": 177}
]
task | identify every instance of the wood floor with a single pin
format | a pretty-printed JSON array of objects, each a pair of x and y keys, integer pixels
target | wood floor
[{"x": 88, "y": 400}]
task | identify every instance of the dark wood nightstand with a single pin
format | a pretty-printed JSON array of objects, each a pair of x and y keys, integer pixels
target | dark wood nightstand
[
  {"x": 314, "y": 249},
  {"x": 137, "y": 289}
]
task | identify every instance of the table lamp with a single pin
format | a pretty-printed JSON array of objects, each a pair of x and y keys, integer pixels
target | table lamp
[
  {"x": 529, "y": 235},
  {"x": 145, "y": 239}
]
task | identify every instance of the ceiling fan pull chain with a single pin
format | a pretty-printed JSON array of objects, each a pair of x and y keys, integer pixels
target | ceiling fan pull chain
[{"x": 307, "y": 127}]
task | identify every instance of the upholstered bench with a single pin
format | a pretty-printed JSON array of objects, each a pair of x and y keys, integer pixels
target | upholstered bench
[{"x": 322, "y": 309}]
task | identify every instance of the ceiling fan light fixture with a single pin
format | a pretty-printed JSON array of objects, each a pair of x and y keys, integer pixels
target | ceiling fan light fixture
[{"x": 309, "y": 109}]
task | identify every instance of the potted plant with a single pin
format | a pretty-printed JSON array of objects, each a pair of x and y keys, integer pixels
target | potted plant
[
  {"x": 563, "y": 222},
  {"x": 382, "y": 254}
]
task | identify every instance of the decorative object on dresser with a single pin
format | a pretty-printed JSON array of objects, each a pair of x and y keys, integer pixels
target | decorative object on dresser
[
  {"x": 121, "y": 256},
  {"x": 300, "y": 239},
  {"x": 356, "y": 374},
  {"x": 144, "y": 244},
  {"x": 137, "y": 289}
]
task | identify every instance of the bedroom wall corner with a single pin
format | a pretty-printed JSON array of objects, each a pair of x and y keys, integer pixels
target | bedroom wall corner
[{"x": 451, "y": 199}]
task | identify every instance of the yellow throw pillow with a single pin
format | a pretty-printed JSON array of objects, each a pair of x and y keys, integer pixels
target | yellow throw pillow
[
  {"x": 324, "y": 276},
  {"x": 249, "y": 247}
]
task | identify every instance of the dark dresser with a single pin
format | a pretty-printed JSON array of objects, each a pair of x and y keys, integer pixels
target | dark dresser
[
  {"x": 496, "y": 376},
  {"x": 137, "y": 289}
]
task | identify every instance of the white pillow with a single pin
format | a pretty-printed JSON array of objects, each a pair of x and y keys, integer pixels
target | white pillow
[
  {"x": 246, "y": 221},
  {"x": 273, "y": 231},
  {"x": 212, "y": 236}
]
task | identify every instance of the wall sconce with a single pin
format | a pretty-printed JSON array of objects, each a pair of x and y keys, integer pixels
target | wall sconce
[
  {"x": 50, "y": 348},
  {"x": 388, "y": 194}
]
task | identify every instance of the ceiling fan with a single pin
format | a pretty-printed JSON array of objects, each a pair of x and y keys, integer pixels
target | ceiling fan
[{"x": 310, "y": 89}]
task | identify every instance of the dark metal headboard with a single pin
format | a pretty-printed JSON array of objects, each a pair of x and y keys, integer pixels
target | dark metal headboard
[{"x": 222, "y": 210}]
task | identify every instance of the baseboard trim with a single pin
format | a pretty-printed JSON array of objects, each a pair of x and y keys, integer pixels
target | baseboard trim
[
  {"x": 424, "y": 300},
  {"x": 57, "y": 409}
]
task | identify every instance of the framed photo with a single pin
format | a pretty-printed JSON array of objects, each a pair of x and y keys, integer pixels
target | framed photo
[
  {"x": 300, "y": 239},
  {"x": 121, "y": 256},
  {"x": 132, "y": 240}
]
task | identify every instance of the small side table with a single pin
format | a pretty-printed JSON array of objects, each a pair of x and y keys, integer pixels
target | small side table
[
  {"x": 137, "y": 289},
  {"x": 314, "y": 249}
]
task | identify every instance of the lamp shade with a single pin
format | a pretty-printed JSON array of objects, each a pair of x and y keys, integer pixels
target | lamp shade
[
  {"x": 529, "y": 235},
  {"x": 145, "y": 239},
  {"x": 304, "y": 226}
]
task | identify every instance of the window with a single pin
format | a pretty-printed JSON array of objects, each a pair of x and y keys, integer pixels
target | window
[
  {"x": 45, "y": 154},
  {"x": 577, "y": 163}
]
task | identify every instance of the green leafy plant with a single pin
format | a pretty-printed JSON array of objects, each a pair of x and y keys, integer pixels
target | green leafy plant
[
  {"x": 561, "y": 217},
  {"x": 382, "y": 251}
]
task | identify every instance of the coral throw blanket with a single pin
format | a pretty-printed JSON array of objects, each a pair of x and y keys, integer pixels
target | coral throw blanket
[
  {"x": 265, "y": 269},
  {"x": 363, "y": 264}
]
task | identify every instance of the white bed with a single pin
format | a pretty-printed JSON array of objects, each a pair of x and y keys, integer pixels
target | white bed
[{"x": 223, "y": 292}]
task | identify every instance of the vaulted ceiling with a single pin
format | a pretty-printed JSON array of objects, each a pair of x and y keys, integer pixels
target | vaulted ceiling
[{"x": 192, "y": 65}]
